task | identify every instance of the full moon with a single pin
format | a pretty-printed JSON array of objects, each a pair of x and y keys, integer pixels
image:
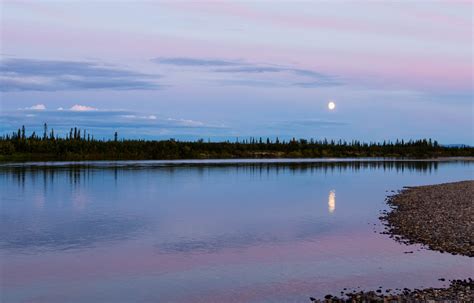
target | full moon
[{"x": 331, "y": 105}]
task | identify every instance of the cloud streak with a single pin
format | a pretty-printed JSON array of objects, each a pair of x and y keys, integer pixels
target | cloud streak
[
  {"x": 187, "y": 61},
  {"x": 321, "y": 83},
  {"x": 82, "y": 108},
  {"x": 36, "y": 107},
  {"x": 52, "y": 75},
  {"x": 250, "y": 69},
  {"x": 239, "y": 69}
]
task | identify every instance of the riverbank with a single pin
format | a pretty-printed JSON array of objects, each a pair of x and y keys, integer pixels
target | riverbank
[
  {"x": 438, "y": 217},
  {"x": 457, "y": 291}
]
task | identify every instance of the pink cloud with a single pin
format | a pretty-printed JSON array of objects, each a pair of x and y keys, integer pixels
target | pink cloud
[
  {"x": 82, "y": 108},
  {"x": 396, "y": 67},
  {"x": 334, "y": 22}
]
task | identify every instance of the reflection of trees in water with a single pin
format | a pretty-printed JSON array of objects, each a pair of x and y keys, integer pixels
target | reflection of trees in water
[
  {"x": 75, "y": 228},
  {"x": 46, "y": 175},
  {"x": 325, "y": 167},
  {"x": 77, "y": 174},
  {"x": 78, "y": 230}
]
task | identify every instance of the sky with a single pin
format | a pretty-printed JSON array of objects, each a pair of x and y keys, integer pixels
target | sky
[{"x": 221, "y": 70}]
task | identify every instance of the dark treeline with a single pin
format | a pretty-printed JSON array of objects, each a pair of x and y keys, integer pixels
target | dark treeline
[{"x": 80, "y": 145}]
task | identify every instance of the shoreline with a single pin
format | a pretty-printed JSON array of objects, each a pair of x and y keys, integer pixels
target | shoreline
[
  {"x": 440, "y": 218},
  {"x": 457, "y": 291},
  {"x": 437, "y": 216},
  {"x": 238, "y": 160}
]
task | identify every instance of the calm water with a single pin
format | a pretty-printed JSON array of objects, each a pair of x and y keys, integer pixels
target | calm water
[{"x": 209, "y": 232}]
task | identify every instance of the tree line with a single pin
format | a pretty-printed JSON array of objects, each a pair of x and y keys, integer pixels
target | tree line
[{"x": 78, "y": 144}]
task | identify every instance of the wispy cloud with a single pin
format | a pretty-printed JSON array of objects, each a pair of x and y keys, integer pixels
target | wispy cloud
[
  {"x": 280, "y": 83},
  {"x": 35, "y": 107},
  {"x": 250, "y": 69},
  {"x": 82, "y": 108},
  {"x": 320, "y": 83},
  {"x": 272, "y": 69},
  {"x": 51, "y": 75},
  {"x": 239, "y": 69},
  {"x": 250, "y": 83},
  {"x": 75, "y": 107},
  {"x": 318, "y": 79},
  {"x": 135, "y": 116},
  {"x": 186, "y": 61}
]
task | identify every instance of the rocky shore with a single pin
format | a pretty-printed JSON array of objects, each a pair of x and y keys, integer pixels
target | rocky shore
[
  {"x": 441, "y": 218},
  {"x": 437, "y": 216},
  {"x": 458, "y": 291}
]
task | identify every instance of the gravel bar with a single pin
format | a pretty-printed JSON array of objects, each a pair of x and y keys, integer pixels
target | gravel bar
[{"x": 437, "y": 216}]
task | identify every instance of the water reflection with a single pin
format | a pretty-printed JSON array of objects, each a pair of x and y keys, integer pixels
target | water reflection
[
  {"x": 81, "y": 171},
  {"x": 300, "y": 231},
  {"x": 332, "y": 201},
  {"x": 62, "y": 193},
  {"x": 177, "y": 233},
  {"x": 30, "y": 236}
]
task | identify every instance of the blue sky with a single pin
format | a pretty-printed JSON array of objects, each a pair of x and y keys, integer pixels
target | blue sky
[{"x": 222, "y": 70}]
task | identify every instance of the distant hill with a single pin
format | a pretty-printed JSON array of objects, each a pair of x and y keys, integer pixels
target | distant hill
[{"x": 456, "y": 145}]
